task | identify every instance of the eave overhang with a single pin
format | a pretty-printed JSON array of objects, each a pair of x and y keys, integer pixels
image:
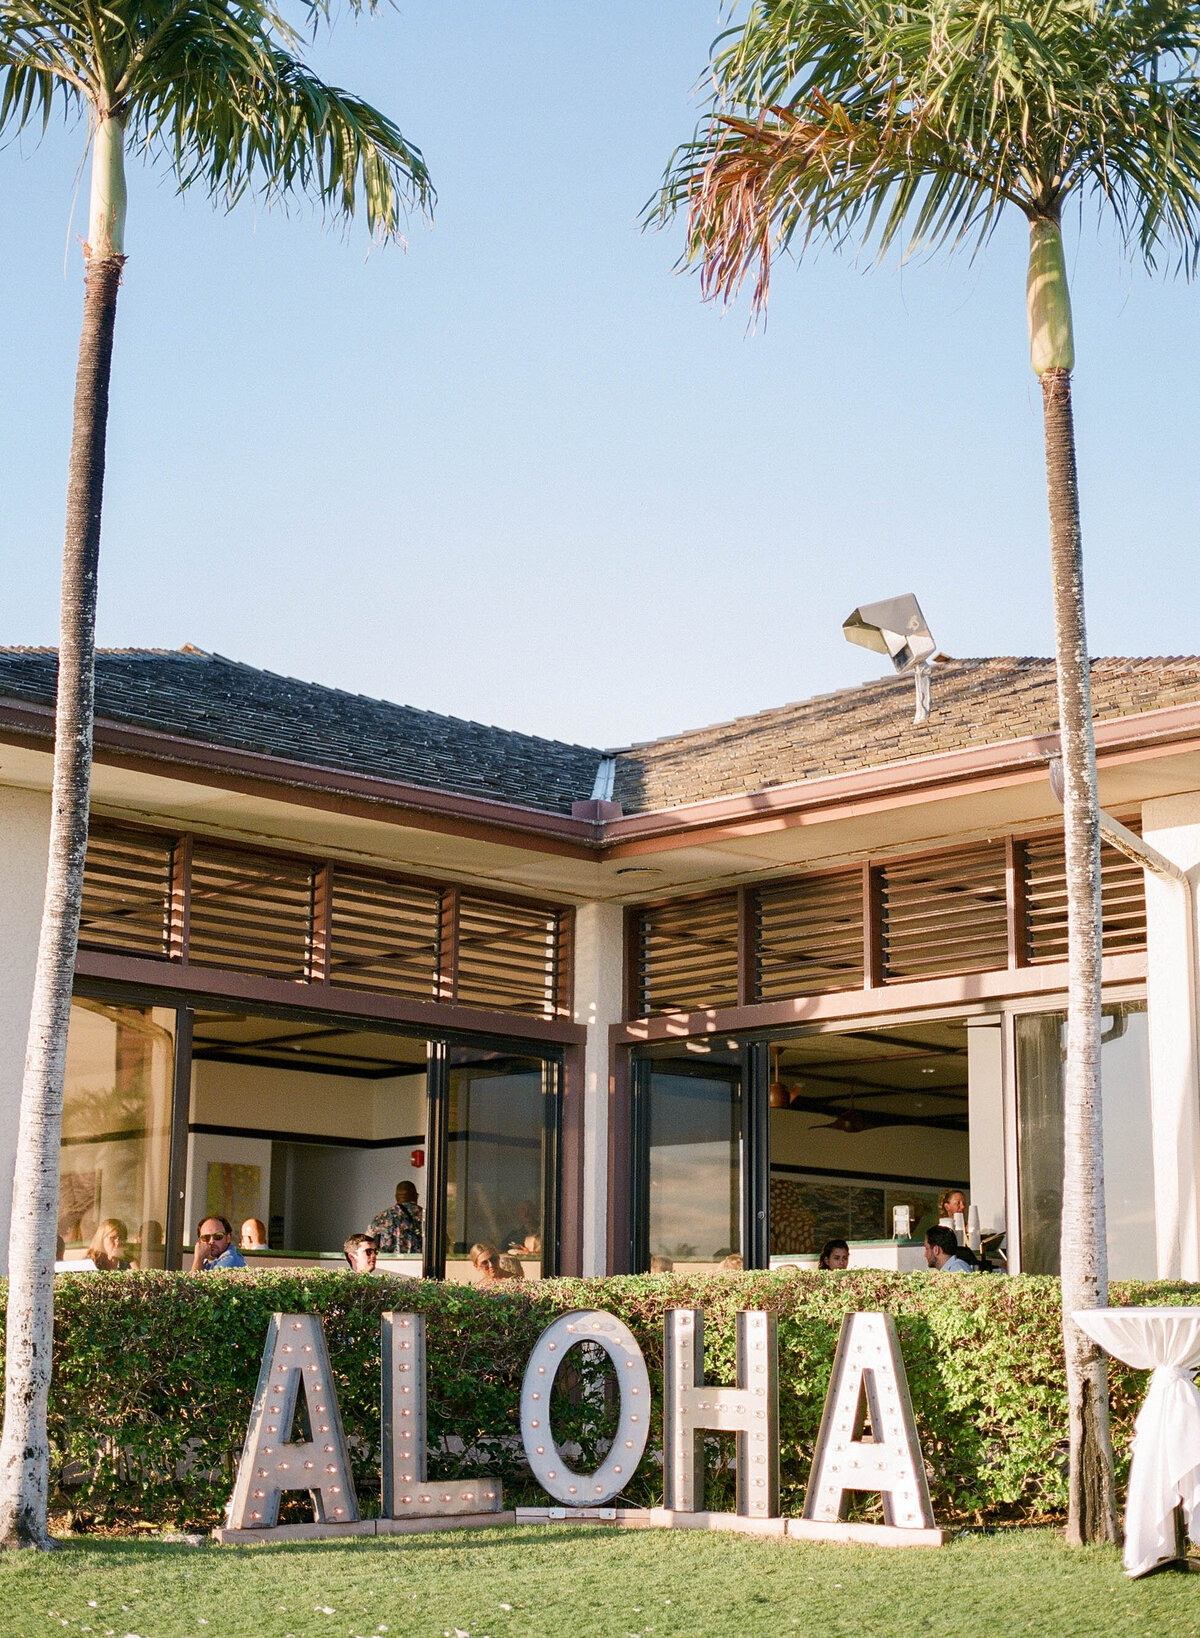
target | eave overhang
[{"x": 1120, "y": 741}]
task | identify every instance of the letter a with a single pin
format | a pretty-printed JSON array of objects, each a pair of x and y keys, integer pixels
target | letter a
[
  {"x": 294, "y": 1357},
  {"x": 869, "y": 1383}
]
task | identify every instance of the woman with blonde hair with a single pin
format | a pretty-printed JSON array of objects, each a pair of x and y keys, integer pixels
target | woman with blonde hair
[
  {"x": 108, "y": 1245},
  {"x": 487, "y": 1259}
]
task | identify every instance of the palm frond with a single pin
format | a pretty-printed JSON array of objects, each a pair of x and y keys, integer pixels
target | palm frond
[
  {"x": 912, "y": 125},
  {"x": 220, "y": 91}
]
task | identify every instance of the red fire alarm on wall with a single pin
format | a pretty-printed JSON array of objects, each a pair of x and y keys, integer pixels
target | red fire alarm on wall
[{"x": 417, "y": 1159}]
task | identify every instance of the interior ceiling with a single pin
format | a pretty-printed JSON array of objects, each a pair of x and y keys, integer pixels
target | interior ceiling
[
  {"x": 915, "y": 1075},
  {"x": 322, "y": 1049}
]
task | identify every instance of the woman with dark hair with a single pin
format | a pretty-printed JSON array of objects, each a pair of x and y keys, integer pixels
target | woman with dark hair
[{"x": 835, "y": 1254}]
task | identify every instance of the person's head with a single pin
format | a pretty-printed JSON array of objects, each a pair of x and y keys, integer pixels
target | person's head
[
  {"x": 215, "y": 1234},
  {"x": 108, "y": 1242},
  {"x": 254, "y": 1235},
  {"x": 661, "y": 1265},
  {"x": 952, "y": 1200},
  {"x": 60, "y": 1249},
  {"x": 486, "y": 1258},
  {"x": 406, "y": 1193},
  {"x": 361, "y": 1251},
  {"x": 834, "y": 1254},
  {"x": 940, "y": 1245},
  {"x": 151, "y": 1236},
  {"x": 732, "y": 1264}
]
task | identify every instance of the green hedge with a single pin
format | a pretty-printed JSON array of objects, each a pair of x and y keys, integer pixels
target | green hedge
[{"x": 154, "y": 1374}]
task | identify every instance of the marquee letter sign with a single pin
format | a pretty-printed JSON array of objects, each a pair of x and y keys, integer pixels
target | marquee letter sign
[
  {"x": 633, "y": 1383},
  {"x": 407, "y": 1492},
  {"x": 751, "y": 1410},
  {"x": 869, "y": 1384},
  {"x": 294, "y": 1357}
]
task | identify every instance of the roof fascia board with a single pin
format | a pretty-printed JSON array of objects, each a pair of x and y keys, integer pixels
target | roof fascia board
[{"x": 1134, "y": 738}]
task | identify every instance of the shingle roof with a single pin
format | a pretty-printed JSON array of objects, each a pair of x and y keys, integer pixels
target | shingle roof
[
  {"x": 975, "y": 702},
  {"x": 206, "y": 698}
]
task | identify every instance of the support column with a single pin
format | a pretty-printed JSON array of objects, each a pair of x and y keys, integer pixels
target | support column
[
  {"x": 599, "y": 957},
  {"x": 1172, "y": 825},
  {"x": 24, "y": 848}
]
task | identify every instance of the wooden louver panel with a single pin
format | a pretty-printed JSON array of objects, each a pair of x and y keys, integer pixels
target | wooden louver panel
[
  {"x": 687, "y": 954},
  {"x": 1122, "y": 900},
  {"x": 250, "y": 912},
  {"x": 809, "y": 936},
  {"x": 508, "y": 956},
  {"x": 127, "y": 892},
  {"x": 384, "y": 935},
  {"x": 946, "y": 914}
]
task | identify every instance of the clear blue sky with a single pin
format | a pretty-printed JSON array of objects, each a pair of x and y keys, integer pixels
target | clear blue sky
[{"x": 520, "y": 473}]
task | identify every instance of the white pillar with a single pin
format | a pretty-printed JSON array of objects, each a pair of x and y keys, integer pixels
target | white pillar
[
  {"x": 24, "y": 847},
  {"x": 599, "y": 954},
  {"x": 1172, "y": 825},
  {"x": 985, "y": 1119}
]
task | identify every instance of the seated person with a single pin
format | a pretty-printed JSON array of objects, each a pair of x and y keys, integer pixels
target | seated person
[
  {"x": 150, "y": 1245},
  {"x": 732, "y": 1264},
  {"x": 661, "y": 1265},
  {"x": 108, "y": 1249},
  {"x": 486, "y": 1258},
  {"x": 399, "y": 1230},
  {"x": 254, "y": 1235},
  {"x": 360, "y": 1252},
  {"x": 214, "y": 1246},
  {"x": 943, "y": 1253},
  {"x": 834, "y": 1254}
]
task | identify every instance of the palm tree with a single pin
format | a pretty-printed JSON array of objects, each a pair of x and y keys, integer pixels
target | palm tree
[
  {"x": 919, "y": 125},
  {"x": 219, "y": 90}
]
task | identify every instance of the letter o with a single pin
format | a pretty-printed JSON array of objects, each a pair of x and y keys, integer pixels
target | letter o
[{"x": 633, "y": 1381}]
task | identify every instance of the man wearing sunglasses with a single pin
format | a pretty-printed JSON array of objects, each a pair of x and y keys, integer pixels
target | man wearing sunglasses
[{"x": 215, "y": 1247}]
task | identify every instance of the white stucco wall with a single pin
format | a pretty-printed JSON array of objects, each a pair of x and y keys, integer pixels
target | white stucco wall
[
  {"x": 24, "y": 841},
  {"x": 599, "y": 953},
  {"x": 1172, "y": 825}
]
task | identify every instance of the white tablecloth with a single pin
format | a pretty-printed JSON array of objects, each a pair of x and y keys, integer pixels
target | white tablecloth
[{"x": 1165, "y": 1471}]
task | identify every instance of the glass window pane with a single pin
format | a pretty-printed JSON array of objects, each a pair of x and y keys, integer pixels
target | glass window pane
[
  {"x": 495, "y": 1166},
  {"x": 1128, "y": 1164},
  {"x": 116, "y": 1134},
  {"x": 695, "y": 1169}
]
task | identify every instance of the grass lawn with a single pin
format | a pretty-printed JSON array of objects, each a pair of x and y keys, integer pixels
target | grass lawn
[{"x": 580, "y": 1582}]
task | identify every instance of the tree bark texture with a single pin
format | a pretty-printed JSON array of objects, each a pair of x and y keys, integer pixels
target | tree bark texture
[
  {"x": 1092, "y": 1516},
  {"x": 24, "y": 1451}
]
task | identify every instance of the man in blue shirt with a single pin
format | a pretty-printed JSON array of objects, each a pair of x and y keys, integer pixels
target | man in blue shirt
[
  {"x": 942, "y": 1252},
  {"x": 215, "y": 1247}
]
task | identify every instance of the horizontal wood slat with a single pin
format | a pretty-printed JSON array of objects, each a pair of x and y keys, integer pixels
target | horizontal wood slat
[
  {"x": 809, "y": 936},
  {"x": 384, "y": 936},
  {"x": 507, "y": 957},
  {"x": 945, "y": 914},
  {"x": 126, "y": 892},
  {"x": 1122, "y": 900},
  {"x": 250, "y": 912},
  {"x": 687, "y": 954},
  {"x": 214, "y": 906}
]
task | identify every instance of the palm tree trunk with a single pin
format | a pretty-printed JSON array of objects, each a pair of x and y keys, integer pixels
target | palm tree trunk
[
  {"x": 24, "y": 1450},
  {"x": 1092, "y": 1516}
]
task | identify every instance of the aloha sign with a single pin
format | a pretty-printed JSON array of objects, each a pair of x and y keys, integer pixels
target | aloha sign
[{"x": 868, "y": 1438}]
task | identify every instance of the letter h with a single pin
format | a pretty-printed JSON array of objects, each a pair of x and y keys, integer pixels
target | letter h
[{"x": 751, "y": 1411}]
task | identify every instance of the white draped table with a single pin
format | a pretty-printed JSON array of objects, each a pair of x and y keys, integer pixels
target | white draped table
[{"x": 1165, "y": 1470}]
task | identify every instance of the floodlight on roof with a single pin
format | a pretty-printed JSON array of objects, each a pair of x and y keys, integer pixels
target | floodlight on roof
[{"x": 896, "y": 627}]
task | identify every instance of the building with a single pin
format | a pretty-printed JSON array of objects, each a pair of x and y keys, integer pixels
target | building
[{"x": 732, "y": 991}]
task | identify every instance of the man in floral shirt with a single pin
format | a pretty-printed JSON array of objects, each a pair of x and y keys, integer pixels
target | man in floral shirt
[{"x": 399, "y": 1230}]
